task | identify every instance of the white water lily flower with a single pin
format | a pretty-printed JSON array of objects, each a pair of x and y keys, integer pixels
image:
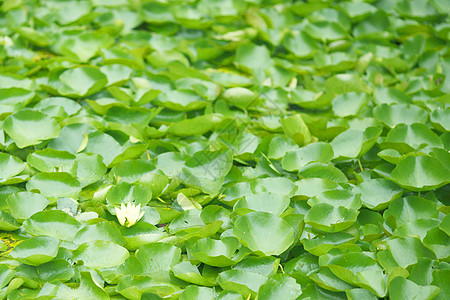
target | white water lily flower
[{"x": 129, "y": 215}]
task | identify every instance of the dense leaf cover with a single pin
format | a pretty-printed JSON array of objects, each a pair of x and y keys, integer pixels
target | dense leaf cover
[{"x": 224, "y": 149}]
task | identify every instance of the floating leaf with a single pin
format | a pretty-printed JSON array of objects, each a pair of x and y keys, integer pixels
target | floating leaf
[
  {"x": 264, "y": 233},
  {"x": 100, "y": 254},
  {"x": 29, "y": 127},
  {"x": 23, "y": 205},
  {"x": 55, "y": 184},
  {"x": 420, "y": 173},
  {"x": 36, "y": 251}
]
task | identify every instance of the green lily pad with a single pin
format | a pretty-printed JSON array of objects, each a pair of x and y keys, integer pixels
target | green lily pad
[
  {"x": 29, "y": 127},
  {"x": 420, "y": 173},
  {"x": 100, "y": 254},
  {"x": 245, "y": 283},
  {"x": 77, "y": 82},
  {"x": 188, "y": 272},
  {"x": 266, "y": 202},
  {"x": 125, "y": 192},
  {"x": 315, "y": 152},
  {"x": 198, "y": 292},
  {"x": 23, "y": 205},
  {"x": 264, "y": 233},
  {"x": 53, "y": 223},
  {"x": 10, "y": 166},
  {"x": 55, "y": 184},
  {"x": 102, "y": 231},
  {"x": 158, "y": 257},
  {"x": 36, "y": 251},
  {"x": 394, "y": 114},
  {"x": 376, "y": 194},
  {"x": 345, "y": 83},
  {"x": 218, "y": 253},
  {"x": 406, "y": 138},
  {"x": 207, "y": 170},
  {"x": 401, "y": 288},
  {"x": 279, "y": 285},
  {"x": 355, "y": 143},
  {"x": 49, "y": 160},
  {"x": 329, "y": 218}
]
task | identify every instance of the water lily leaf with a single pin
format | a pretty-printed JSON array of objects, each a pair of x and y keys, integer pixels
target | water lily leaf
[
  {"x": 376, "y": 194},
  {"x": 6, "y": 274},
  {"x": 243, "y": 282},
  {"x": 264, "y": 265},
  {"x": 252, "y": 57},
  {"x": 77, "y": 82},
  {"x": 218, "y": 253},
  {"x": 417, "y": 228},
  {"x": 36, "y": 250},
  {"x": 207, "y": 170},
  {"x": 349, "y": 104},
  {"x": 9, "y": 167},
  {"x": 7, "y": 222},
  {"x": 402, "y": 288},
  {"x": 420, "y": 173},
  {"x": 327, "y": 280},
  {"x": 55, "y": 223},
  {"x": 440, "y": 119},
  {"x": 406, "y": 138},
  {"x": 125, "y": 192},
  {"x": 394, "y": 114},
  {"x": 56, "y": 270},
  {"x": 181, "y": 100},
  {"x": 403, "y": 252},
  {"x": 361, "y": 141},
  {"x": 104, "y": 145},
  {"x": 309, "y": 187},
  {"x": 326, "y": 31},
  {"x": 264, "y": 233},
  {"x": 301, "y": 44},
  {"x": 88, "y": 288},
  {"x": 337, "y": 198},
  {"x": 90, "y": 168},
  {"x": 321, "y": 245},
  {"x": 100, "y": 254},
  {"x": 315, "y": 152},
  {"x": 329, "y": 218},
  {"x": 275, "y": 185},
  {"x": 279, "y": 285},
  {"x": 55, "y": 184},
  {"x": 86, "y": 45},
  {"x": 357, "y": 269},
  {"x": 49, "y": 160},
  {"x": 158, "y": 257},
  {"x": 71, "y": 138},
  {"x": 196, "y": 126},
  {"x": 29, "y": 127},
  {"x": 102, "y": 231},
  {"x": 267, "y": 202},
  {"x": 355, "y": 294},
  {"x": 134, "y": 287},
  {"x": 345, "y": 83},
  {"x": 24, "y": 204},
  {"x": 321, "y": 170},
  {"x": 188, "y": 272},
  {"x": 142, "y": 233},
  {"x": 435, "y": 239},
  {"x": 197, "y": 292},
  {"x": 295, "y": 128},
  {"x": 408, "y": 209}
]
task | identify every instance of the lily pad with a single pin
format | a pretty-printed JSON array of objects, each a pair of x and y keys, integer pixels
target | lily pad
[
  {"x": 29, "y": 127},
  {"x": 36, "y": 251},
  {"x": 264, "y": 233}
]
